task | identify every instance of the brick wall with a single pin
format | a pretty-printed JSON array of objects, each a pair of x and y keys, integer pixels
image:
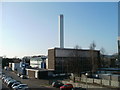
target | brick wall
[{"x": 51, "y": 59}]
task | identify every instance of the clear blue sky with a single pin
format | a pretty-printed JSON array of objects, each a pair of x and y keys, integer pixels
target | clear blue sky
[{"x": 30, "y": 28}]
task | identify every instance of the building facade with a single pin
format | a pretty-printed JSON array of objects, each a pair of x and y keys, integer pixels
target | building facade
[
  {"x": 73, "y": 60},
  {"x": 38, "y": 62},
  {"x": 39, "y": 73}
]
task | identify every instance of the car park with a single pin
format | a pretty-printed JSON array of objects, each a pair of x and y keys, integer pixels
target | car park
[
  {"x": 3, "y": 75},
  {"x": 18, "y": 75},
  {"x": 7, "y": 79},
  {"x": 21, "y": 87},
  {"x": 3, "y": 78},
  {"x": 66, "y": 87},
  {"x": 57, "y": 84},
  {"x": 23, "y": 77},
  {"x": 15, "y": 84},
  {"x": 9, "y": 84}
]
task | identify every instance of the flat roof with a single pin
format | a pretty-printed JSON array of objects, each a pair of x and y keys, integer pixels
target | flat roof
[
  {"x": 72, "y": 49},
  {"x": 39, "y": 69},
  {"x": 110, "y": 69}
]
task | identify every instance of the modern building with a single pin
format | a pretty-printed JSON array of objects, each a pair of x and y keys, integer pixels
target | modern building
[
  {"x": 73, "y": 60},
  {"x": 38, "y": 61}
]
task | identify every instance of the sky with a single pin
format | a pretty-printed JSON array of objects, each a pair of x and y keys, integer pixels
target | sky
[
  {"x": 31, "y": 28},
  {"x": 59, "y": 0}
]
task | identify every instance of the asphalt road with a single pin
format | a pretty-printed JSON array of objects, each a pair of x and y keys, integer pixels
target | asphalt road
[
  {"x": 4, "y": 87},
  {"x": 33, "y": 84}
]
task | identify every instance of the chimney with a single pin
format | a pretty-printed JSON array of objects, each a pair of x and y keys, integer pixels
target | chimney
[{"x": 61, "y": 31}]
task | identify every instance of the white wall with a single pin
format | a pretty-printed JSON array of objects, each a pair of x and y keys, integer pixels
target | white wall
[
  {"x": 35, "y": 64},
  {"x": 15, "y": 66},
  {"x": 46, "y": 63}
]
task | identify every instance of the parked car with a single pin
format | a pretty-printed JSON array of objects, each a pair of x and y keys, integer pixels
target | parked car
[
  {"x": 3, "y": 78},
  {"x": 7, "y": 68},
  {"x": 9, "y": 84},
  {"x": 24, "y": 77},
  {"x": 91, "y": 75},
  {"x": 7, "y": 79},
  {"x": 66, "y": 87},
  {"x": 3, "y": 75},
  {"x": 21, "y": 87},
  {"x": 57, "y": 84},
  {"x": 95, "y": 76},
  {"x": 18, "y": 75},
  {"x": 15, "y": 84}
]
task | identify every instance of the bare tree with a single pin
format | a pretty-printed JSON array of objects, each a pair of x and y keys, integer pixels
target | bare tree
[
  {"x": 102, "y": 52},
  {"x": 77, "y": 47},
  {"x": 74, "y": 61},
  {"x": 77, "y": 60},
  {"x": 92, "y": 48}
]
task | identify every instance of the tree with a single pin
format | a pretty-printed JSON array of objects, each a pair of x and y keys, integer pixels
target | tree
[
  {"x": 102, "y": 51},
  {"x": 74, "y": 62},
  {"x": 77, "y": 47},
  {"x": 92, "y": 48},
  {"x": 102, "y": 55}
]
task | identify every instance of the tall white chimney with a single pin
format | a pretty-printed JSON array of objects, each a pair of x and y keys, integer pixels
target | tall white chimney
[{"x": 61, "y": 31}]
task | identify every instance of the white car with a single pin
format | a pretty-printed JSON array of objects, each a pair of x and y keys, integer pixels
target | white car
[{"x": 21, "y": 87}]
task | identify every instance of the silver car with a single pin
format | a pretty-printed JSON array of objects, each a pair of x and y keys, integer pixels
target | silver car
[
  {"x": 15, "y": 84},
  {"x": 21, "y": 87}
]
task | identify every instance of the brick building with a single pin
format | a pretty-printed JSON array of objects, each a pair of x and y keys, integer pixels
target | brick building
[{"x": 73, "y": 60}]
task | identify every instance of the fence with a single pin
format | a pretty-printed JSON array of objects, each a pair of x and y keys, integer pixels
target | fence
[{"x": 101, "y": 82}]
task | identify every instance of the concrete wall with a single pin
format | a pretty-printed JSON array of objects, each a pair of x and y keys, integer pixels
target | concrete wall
[
  {"x": 100, "y": 81},
  {"x": 106, "y": 82},
  {"x": 115, "y": 83}
]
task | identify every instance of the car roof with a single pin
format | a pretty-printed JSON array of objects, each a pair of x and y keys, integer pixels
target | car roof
[
  {"x": 22, "y": 84},
  {"x": 17, "y": 83},
  {"x": 67, "y": 84}
]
